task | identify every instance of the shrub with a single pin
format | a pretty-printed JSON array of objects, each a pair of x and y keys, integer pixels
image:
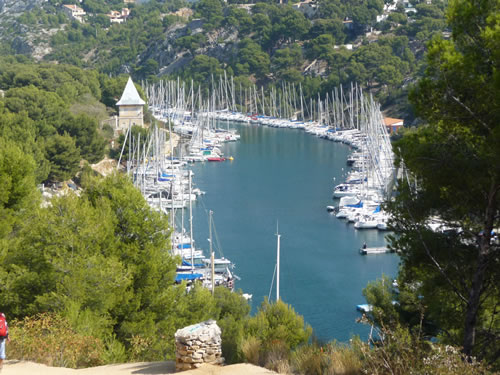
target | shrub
[
  {"x": 276, "y": 357},
  {"x": 308, "y": 359},
  {"x": 399, "y": 352},
  {"x": 272, "y": 334},
  {"x": 251, "y": 350},
  {"x": 115, "y": 351},
  {"x": 331, "y": 358},
  {"x": 49, "y": 339},
  {"x": 341, "y": 359},
  {"x": 278, "y": 322},
  {"x": 233, "y": 309},
  {"x": 232, "y": 337}
]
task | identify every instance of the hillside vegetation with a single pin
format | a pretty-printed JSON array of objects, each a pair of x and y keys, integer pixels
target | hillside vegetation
[
  {"x": 87, "y": 278},
  {"x": 263, "y": 42}
]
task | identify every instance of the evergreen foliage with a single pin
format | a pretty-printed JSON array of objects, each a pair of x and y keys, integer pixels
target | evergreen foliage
[
  {"x": 63, "y": 155},
  {"x": 40, "y": 113},
  {"x": 454, "y": 270},
  {"x": 100, "y": 263},
  {"x": 139, "y": 45}
]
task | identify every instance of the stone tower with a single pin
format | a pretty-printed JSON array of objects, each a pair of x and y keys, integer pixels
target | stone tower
[{"x": 130, "y": 107}]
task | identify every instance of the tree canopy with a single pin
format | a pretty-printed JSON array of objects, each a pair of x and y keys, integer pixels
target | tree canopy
[
  {"x": 455, "y": 163},
  {"x": 52, "y": 113}
]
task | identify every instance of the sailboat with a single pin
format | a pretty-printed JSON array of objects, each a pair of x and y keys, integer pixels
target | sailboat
[
  {"x": 277, "y": 268},
  {"x": 220, "y": 265},
  {"x": 211, "y": 271}
]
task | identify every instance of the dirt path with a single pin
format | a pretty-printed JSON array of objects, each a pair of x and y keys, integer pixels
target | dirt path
[{"x": 144, "y": 368}]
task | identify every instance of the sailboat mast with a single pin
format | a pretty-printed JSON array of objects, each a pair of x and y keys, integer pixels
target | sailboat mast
[
  {"x": 171, "y": 166},
  {"x": 301, "y": 103},
  {"x": 278, "y": 268},
  {"x": 191, "y": 223},
  {"x": 211, "y": 251}
]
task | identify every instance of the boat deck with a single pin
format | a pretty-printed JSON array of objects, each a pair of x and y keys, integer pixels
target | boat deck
[{"x": 374, "y": 250}]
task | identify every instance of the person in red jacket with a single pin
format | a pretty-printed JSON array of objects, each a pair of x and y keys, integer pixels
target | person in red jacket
[{"x": 4, "y": 329}]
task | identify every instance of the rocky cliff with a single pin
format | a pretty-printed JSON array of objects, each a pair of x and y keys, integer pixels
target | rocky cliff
[
  {"x": 220, "y": 46},
  {"x": 13, "y": 8},
  {"x": 33, "y": 40}
]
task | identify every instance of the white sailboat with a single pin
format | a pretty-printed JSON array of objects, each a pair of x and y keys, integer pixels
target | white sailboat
[{"x": 277, "y": 268}]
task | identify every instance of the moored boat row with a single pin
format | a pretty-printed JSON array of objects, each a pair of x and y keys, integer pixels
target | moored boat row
[{"x": 355, "y": 122}]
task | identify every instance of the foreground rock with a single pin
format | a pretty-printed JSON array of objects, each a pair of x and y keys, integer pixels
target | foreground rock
[{"x": 198, "y": 344}]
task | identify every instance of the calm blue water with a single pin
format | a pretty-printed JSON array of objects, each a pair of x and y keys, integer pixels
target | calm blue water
[{"x": 286, "y": 176}]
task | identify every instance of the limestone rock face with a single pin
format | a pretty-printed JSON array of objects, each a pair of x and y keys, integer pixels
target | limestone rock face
[
  {"x": 16, "y": 7},
  {"x": 221, "y": 45},
  {"x": 197, "y": 344},
  {"x": 33, "y": 40}
]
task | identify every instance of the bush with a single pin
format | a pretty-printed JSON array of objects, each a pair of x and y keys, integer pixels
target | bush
[
  {"x": 279, "y": 322},
  {"x": 277, "y": 357},
  {"x": 233, "y": 309},
  {"x": 232, "y": 337},
  {"x": 332, "y": 358},
  {"x": 272, "y": 334},
  {"x": 341, "y": 359},
  {"x": 400, "y": 352},
  {"x": 308, "y": 359},
  {"x": 49, "y": 339},
  {"x": 251, "y": 350}
]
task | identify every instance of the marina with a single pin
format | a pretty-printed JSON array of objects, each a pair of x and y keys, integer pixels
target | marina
[
  {"x": 280, "y": 169},
  {"x": 286, "y": 175}
]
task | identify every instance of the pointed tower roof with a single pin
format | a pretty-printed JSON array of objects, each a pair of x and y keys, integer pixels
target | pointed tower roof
[{"x": 130, "y": 95}]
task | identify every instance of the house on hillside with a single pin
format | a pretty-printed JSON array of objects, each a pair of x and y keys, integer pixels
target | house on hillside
[
  {"x": 308, "y": 7},
  {"x": 247, "y": 7},
  {"x": 348, "y": 24},
  {"x": 393, "y": 124},
  {"x": 74, "y": 11},
  {"x": 388, "y": 9},
  {"x": 392, "y": 7},
  {"x": 130, "y": 107},
  {"x": 408, "y": 6},
  {"x": 118, "y": 17}
]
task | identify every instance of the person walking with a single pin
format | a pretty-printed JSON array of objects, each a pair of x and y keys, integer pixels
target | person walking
[{"x": 4, "y": 336}]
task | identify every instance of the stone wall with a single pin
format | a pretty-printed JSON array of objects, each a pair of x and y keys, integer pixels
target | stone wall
[{"x": 197, "y": 344}]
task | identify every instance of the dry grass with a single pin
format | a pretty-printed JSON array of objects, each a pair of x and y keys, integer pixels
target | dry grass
[
  {"x": 308, "y": 359},
  {"x": 251, "y": 350},
  {"x": 331, "y": 359},
  {"x": 49, "y": 339},
  {"x": 277, "y": 358},
  {"x": 341, "y": 359}
]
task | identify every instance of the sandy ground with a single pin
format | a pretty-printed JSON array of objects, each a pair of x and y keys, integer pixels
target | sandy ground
[
  {"x": 105, "y": 166},
  {"x": 144, "y": 368}
]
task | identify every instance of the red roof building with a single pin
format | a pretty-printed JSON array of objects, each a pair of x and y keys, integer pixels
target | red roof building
[{"x": 393, "y": 124}]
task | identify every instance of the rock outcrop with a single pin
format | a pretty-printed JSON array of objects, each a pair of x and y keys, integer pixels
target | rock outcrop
[
  {"x": 16, "y": 7},
  {"x": 197, "y": 344},
  {"x": 29, "y": 40}
]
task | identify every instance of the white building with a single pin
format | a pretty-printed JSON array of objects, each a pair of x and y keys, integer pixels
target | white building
[
  {"x": 74, "y": 11},
  {"x": 130, "y": 107},
  {"x": 118, "y": 17}
]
